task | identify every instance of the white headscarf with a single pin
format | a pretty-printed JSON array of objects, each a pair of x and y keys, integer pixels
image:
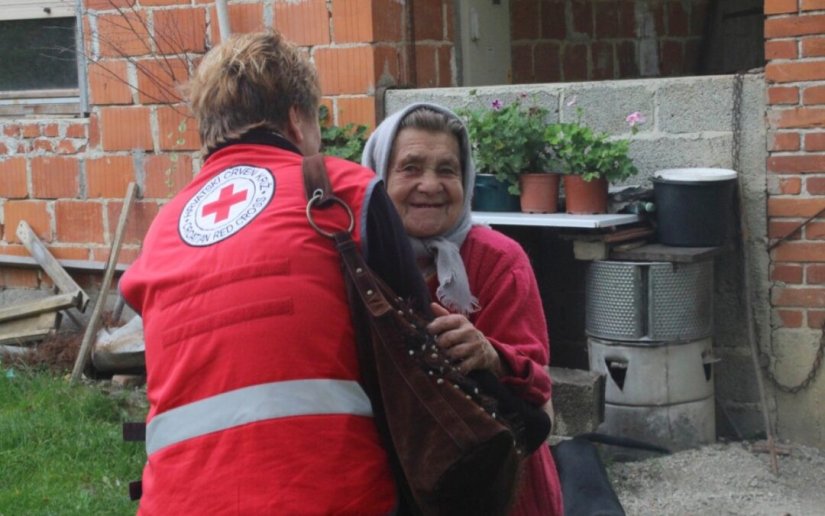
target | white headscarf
[{"x": 453, "y": 287}]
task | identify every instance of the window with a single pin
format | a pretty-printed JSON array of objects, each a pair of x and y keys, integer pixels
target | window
[{"x": 38, "y": 58}]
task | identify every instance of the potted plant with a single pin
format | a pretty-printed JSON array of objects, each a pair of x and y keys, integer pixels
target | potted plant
[
  {"x": 507, "y": 143},
  {"x": 590, "y": 160}
]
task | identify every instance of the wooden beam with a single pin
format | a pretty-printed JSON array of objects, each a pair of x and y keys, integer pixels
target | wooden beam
[
  {"x": 27, "y": 262},
  {"x": 31, "y": 308},
  {"x": 58, "y": 274},
  {"x": 31, "y": 328},
  {"x": 91, "y": 327}
]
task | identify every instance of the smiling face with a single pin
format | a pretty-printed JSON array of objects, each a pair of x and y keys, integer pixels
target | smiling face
[{"x": 424, "y": 181}]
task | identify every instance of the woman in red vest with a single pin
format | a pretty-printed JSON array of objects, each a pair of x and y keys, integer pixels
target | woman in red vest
[{"x": 252, "y": 373}]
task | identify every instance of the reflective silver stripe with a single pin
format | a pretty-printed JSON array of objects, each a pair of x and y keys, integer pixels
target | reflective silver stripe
[{"x": 256, "y": 403}]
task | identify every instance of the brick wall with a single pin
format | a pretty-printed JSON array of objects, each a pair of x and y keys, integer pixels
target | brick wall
[
  {"x": 575, "y": 40},
  {"x": 795, "y": 48},
  {"x": 67, "y": 177}
]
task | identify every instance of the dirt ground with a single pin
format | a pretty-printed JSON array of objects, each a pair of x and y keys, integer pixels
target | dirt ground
[{"x": 723, "y": 479}]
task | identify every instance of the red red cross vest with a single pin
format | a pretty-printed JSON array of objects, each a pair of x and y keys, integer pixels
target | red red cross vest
[{"x": 255, "y": 406}]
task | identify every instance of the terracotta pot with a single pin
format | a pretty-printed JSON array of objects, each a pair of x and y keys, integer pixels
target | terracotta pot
[
  {"x": 584, "y": 197},
  {"x": 539, "y": 192}
]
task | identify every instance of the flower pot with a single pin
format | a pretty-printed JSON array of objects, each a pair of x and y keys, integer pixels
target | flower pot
[
  {"x": 584, "y": 197},
  {"x": 539, "y": 192},
  {"x": 490, "y": 194}
]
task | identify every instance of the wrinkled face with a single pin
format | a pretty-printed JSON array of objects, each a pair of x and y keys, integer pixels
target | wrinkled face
[{"x": 424, "y": 181}]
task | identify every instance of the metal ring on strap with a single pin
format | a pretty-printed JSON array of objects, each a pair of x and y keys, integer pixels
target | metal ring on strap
[{"x": 316, "y": 198}]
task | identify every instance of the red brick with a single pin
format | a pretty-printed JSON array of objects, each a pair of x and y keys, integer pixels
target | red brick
[
  {"x": 346, "y": 70},
  {"x": 790, "y": 186},
  {"x": 815, "y": 231},
  {"x": 166, "y": 174},
  {"x": 108, "y": 82},
  {"x": 815, "y": 142},
  {"x": 582, "y": 19},
  {"x": 671, "y": 58},
  {"x": 794, "y": 71},
  {"x": 387, "y": 20},
  {"x": 426, "y": 66},
  {"x": 30, "y": 131},
  {"x": 815, "y": 185},
  {"x": 34, "y": 212},
  {"x": 626, "y": 54},
  {"x": 303, "y": 23},
  {"x": 164, "y": 2},
  {"x": 522, "y": 63},
  {"x": 781, "y": 49},
  {"x": 108, "y": 177},
  {"x": 13, "y": 183},
  {"x": 67, "y": 146},
  {"x": 125, "y": 128},
  {"x": 356, "y": 110},
  {"x": 445, "y": 66},
  {"x": 783, "y": 95},
  {"x": 677, "y": 20},
  {"x": 43, "y": 144},
  {"x": 553, "y": 20},
  {"x": 799, "y": 252},
  {"x": 76, "y": 131},
  {"x": 94, "y": 130},
  {"x": 783, "y": 141},
  {"x": 548, "y": 67},
  {"x": 11, "y": 130},
  {"x": 140, "y": 217},
  {"x": 815, "y": 273},
  {"x": 813, "y": 46},
  {"x": 816, "y": 319},
  {"x": 78, "y": 221},
  {"x": 787, "y": 273},
  {"x": 524, "y": 20},
  {"x": 574, "y": 59},
  {"x": 180, "y": 30},
  {"x": 793, "y": 207},
  {"x": 388, "y": 61},
  {"x": 50, "y": 130},
  {"x": 798, "y": 117},
  {"x": 783, "y": 229},
  {"x": 177, "y": 129},
  {"x": 803, "y": 164},
  {"x": 109, "y": 4},
  {"x": 780, "y": 6},
  {"x": 794, "y": 26},
  {"x": 790, "y": 318},
  {"x": 123, "y": 34},
  {"x": 428, "y": 20},
  {"x": 160, "y": 80},
  {"x": 69, "y": 253},
  {"x": 243, "y": 18},
  {"x": 812, "y": 5},
  {"x": 813, "y": 95},
  {"x": 802, "y": 297},
  {"x": 54, "y": 177},
  {"x": 19, "y": 278},
  {"x": 602, "y": 59}
]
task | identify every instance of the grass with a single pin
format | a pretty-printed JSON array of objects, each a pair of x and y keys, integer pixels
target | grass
[{"x": 61, "y": 446}]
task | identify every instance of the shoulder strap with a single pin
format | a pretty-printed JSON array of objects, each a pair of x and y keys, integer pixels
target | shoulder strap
[{"x": 316, "y": 178}]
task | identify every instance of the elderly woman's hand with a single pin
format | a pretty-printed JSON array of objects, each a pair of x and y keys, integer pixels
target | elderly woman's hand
[{"x": 463, "y": 342}]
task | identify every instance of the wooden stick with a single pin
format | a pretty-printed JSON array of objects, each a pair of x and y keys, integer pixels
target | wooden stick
[
  {"x": 30, "y": 308},
  {"x": 58, "y": 274},
  {"x": 91, "y": 328}
]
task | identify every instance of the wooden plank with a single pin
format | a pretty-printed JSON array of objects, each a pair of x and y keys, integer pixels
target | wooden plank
[
  {"x": 27, "y": 262},
  {"x": 91, "y": 328},
  {"x": 666, "y": 253},
  {"x": 30, "y": 308},
  {"x": 28, "y": 329},
  {"x": 58, "y": 274}
]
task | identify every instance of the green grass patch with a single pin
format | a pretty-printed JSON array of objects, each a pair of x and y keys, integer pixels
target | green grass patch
[{"x": 61, "y": 445}]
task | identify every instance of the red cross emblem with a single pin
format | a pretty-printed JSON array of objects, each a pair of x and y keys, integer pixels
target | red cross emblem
[{"x": 226, "y": 200}]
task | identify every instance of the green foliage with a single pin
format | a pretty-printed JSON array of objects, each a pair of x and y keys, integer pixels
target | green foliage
[
  {"x": 507, "y": 140},
  {"x": 345, "y": 142},
  {"x": 61, "y": 446},
  {"x": 589, "y": 154}
]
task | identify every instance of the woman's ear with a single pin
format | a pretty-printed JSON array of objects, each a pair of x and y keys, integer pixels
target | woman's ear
[{"x": 294, "y": 129}]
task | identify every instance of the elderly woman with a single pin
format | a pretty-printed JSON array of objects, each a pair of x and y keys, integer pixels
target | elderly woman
[
  {"x": 255, "y": 405},
  {"x": 489, "y": 313}
]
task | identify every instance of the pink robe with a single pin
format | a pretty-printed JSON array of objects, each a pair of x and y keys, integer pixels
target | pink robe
[{"x": 512, "y": 318}]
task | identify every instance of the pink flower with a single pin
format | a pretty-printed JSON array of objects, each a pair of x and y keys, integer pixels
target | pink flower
[
  {"x": 497, "y": 105},
  {"x": 635, "y": 118}
]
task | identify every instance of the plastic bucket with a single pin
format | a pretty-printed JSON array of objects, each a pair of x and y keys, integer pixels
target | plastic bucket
[
  {"x": 694, "y": 206},
  {"x": 490, "y": 194}
]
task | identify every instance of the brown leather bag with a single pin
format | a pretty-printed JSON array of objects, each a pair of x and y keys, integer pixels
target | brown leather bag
[{"x": 455, "y": 453}]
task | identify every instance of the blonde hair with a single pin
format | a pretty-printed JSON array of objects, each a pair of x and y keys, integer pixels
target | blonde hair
[{"x": 250, "y": 81}]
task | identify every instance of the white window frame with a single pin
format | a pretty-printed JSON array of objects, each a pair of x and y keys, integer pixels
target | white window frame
[{"x": 45, "y": 102}]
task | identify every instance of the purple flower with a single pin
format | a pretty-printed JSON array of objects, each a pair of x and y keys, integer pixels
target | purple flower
[
  {"x": 635, "y": 118},
  {"x": 497, "y": 105}
]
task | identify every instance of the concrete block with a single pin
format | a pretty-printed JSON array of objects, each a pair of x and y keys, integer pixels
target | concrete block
[
  {"x": 578, "y": 399},
  {"x": 693, "y": 106}
]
